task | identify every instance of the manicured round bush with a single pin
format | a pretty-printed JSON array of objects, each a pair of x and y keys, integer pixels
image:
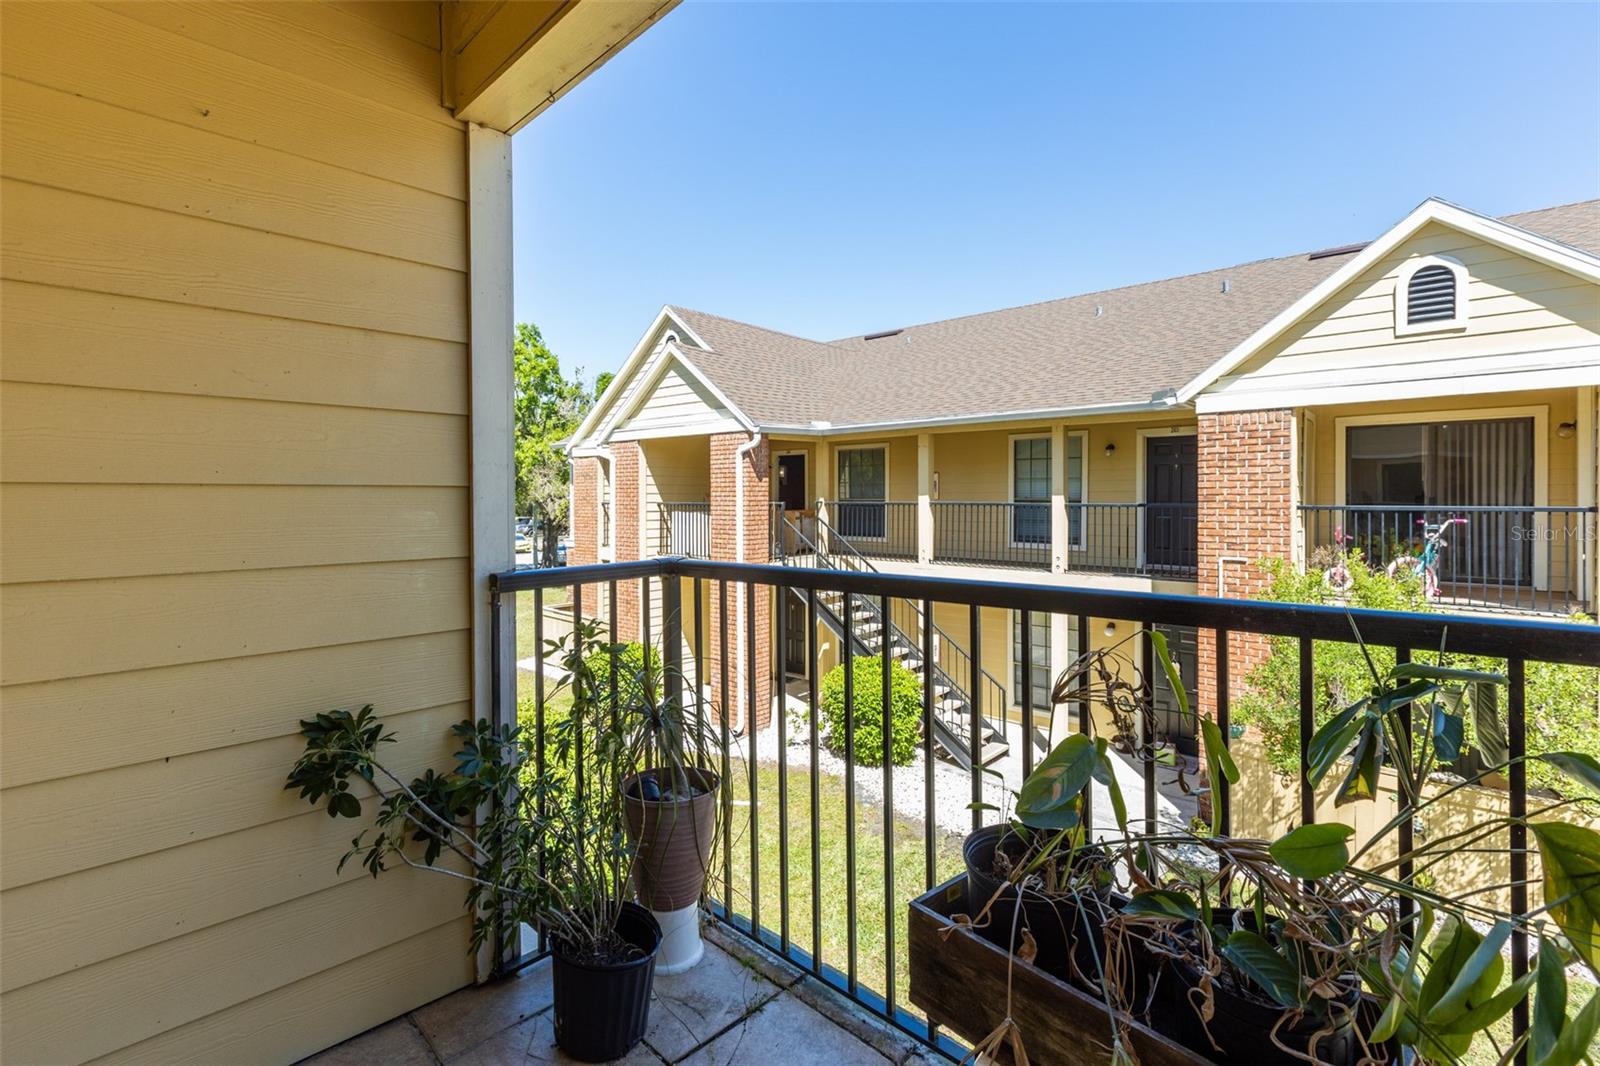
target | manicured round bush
[{"x": 905, "y": 700}]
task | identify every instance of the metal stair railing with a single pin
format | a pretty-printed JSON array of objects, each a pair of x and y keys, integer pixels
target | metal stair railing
[{"x": 952, "y": 668}]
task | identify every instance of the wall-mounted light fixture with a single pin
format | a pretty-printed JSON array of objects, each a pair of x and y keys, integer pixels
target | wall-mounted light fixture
[
  {"x": 1111, "y": 449},
  {"x": 1566, "y": 429},
  {"x": 1111, "y": 629}
]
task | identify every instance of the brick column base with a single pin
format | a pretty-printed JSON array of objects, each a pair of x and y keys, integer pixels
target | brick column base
[
  {"x": 728, "y": 469},
  {"x": 1247, "y": 496}
]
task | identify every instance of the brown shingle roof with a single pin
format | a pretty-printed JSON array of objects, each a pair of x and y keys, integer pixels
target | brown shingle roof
[{"x": 1111, "y": 348}]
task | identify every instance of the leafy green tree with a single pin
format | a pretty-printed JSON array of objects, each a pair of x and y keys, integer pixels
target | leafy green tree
[{"x": 547, "y": 407}]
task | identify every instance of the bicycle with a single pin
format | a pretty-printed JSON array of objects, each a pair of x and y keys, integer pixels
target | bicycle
[
  {"x": 1425, "y": 565},
  {"x": 1338, "y": 577}
]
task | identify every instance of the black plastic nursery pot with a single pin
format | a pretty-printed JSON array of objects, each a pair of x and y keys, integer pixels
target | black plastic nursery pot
[
  {"x": 1066, "y": 934},
  {"x": 1242, "y": 1026},
  {"x": 603, "y": 1009}
]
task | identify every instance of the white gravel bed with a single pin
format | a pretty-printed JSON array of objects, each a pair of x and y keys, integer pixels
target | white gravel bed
[{"x": 953, "y": 785}]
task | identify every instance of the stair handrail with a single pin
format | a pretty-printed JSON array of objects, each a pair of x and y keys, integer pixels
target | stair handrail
[{"x": 981, "y": 679}]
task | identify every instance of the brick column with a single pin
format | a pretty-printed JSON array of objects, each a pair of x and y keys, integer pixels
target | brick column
[
  {"x": 625, "y": 472},
  {"x": 728, "y": 470},
  {"x": 585, "y": 522},
  {"x": 1247, "y": 508}
]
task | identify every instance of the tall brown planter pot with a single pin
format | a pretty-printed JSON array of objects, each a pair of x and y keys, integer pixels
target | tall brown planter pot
[{"x": 673, "y": 839}]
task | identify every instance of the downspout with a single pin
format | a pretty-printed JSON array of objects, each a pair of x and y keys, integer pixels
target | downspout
[{"x": 739, "y": 456}]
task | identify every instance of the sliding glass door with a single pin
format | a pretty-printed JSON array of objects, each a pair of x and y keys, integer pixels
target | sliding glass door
[{"x": 1424, "y": 472}]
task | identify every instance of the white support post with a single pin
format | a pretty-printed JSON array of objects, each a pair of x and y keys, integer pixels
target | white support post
[
  {"x": 492, "y": 474},
  {"x": 1584, "y": 440},
  {"x": 1058, "y": 499},
  {"x": 924, "y": 497}
]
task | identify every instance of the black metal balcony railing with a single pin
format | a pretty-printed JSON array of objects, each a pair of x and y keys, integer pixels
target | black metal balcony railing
[
  {"x": 1147, "y": 539},
  {"x": 1002, "y": 534},
  {"x": 784, "y": 897},
  {"x": 1535, "y": 559},
  {"x": 879, "y": 529},
  {"x": 684, "y": 529}
]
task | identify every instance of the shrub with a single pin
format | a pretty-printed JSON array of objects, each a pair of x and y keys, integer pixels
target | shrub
[
  {"x": 630, "y": 674},
  {"x": 905, "y": 699},
  {"x": 1562, "y": 701}
]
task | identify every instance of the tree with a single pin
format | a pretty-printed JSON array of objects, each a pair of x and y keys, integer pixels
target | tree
[{"x": 547, "y": 408}]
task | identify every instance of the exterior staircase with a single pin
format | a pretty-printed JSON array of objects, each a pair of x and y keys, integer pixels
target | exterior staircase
[{"x": 952, "y": 669}]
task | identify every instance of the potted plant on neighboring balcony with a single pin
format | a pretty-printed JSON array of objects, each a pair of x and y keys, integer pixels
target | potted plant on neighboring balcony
[{"x": 537, "y": 842}]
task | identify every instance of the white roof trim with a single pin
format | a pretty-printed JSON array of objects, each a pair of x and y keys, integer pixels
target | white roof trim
[
  {"x": 631, "y": 366},
  {"x": 1512, "y": 238},
  {"x": 829, "y": 429},
  {"x": 670, "y": 355}
]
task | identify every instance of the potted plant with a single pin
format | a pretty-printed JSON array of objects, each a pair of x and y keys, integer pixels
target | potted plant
[
  {"x": 1267, "y": 951},
  {"x": 668, "y": 789},
  {"x": 548, "y": 849}
]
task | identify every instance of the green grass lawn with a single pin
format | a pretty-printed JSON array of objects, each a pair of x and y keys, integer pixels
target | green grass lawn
[
  {"x": 526, "y": 645},
  {"x": 872, "y": 955}
]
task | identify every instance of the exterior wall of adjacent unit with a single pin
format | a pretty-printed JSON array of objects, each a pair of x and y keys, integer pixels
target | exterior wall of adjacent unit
[
  {"x": 1523, "y": 318},
  {"x": 236, "y": 493},
  {"x": 728, "y": 469},
  {"x": 1248, "y": 495},
  {"x": 676, "y": 403}
]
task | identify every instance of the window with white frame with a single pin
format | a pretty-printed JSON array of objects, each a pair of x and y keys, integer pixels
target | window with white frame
[
  {"x": 1030, "y": 490},
  {"x": 863, "y": 486},
  {"x": 1035, "y": 658},
  {"x": 1430, "y": 294}
]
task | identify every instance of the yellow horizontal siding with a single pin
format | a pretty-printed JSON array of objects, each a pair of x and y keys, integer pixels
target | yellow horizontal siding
[
  {"x": 318, "y": 42},
  {"x": 1514, "y": 304},
  {"x": 79, "y": 628},
  {"x": 235, "y": 463},
  {"x": 115, "y": 59},
  {"x": 71, "y": 922},
  {"x": 138, "y": 995},
  {"x": 314, "y": 1012},
  {"x": 68, "y": 142},
  {"x": 63, "y": 434},
  {"x": 95, "y": 531},
  {"x": 160, "y": 712},
  {"x": 71, "y": 337},
  {"x": 55, "y": 237},
  {"x": 70, "y": 824}
]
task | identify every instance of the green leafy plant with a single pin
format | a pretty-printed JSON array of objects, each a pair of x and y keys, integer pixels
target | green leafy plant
[
  {"x": 1561, "y": 699},
  {"x": 537, "y": 844},
  {"x": 866, "y": 710}
]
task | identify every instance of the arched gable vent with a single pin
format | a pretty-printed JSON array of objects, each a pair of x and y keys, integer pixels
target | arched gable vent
[{"x": 1429, "y": 295}]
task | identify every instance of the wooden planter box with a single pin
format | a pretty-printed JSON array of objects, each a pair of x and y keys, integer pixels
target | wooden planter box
[{"x": 961, "y": 983}]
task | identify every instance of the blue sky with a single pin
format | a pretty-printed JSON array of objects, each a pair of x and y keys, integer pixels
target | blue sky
[{"x": 835, "y": 169}]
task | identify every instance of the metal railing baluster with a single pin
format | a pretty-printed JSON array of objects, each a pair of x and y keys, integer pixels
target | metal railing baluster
[
  {"x": 1517, "y": 750},
  {"x": 780, "y": 726},
  {"x": 848, "y": 650},
  {"x": 816, "y": 783},
  {"x": 888, "y": 810},
  {"x": 752, "y": 719}
]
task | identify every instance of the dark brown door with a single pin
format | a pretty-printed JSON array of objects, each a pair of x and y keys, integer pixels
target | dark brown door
[
  {"x": 792, "y": 482},
  {"x": 1172, "y": 493}
]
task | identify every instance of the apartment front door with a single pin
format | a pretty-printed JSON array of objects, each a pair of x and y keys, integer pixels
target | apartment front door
[
  {"x": 792, "y": 481},
  {"x": 1172, "y": 494}
]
